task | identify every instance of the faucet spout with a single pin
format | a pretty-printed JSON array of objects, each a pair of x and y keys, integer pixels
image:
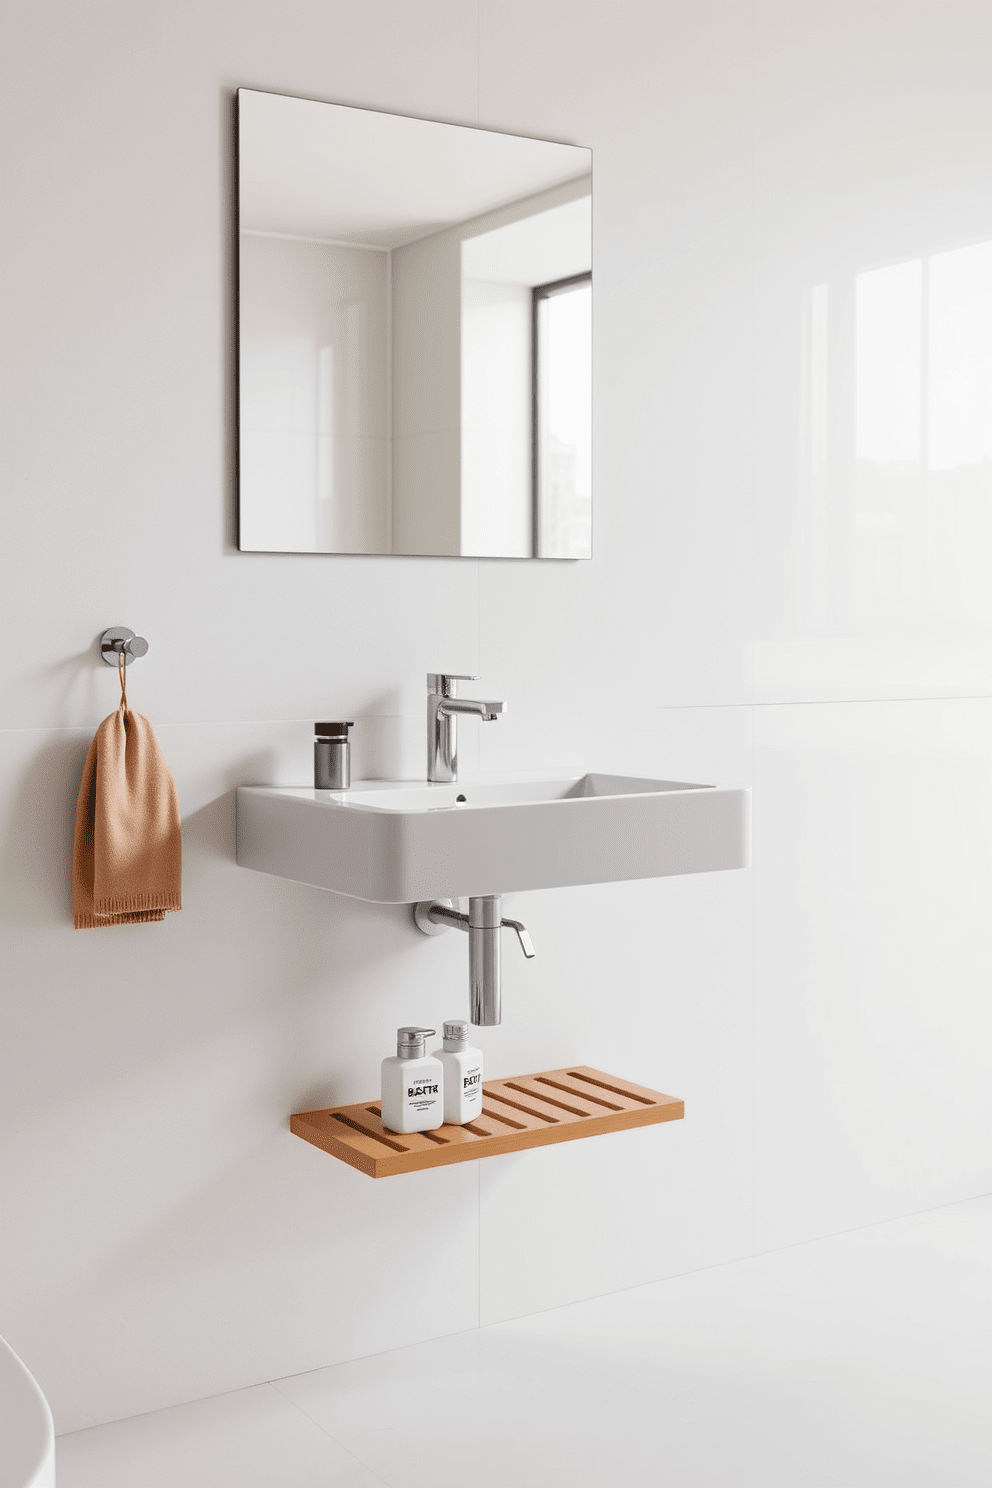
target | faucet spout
[{"x": 472, "y": 707}]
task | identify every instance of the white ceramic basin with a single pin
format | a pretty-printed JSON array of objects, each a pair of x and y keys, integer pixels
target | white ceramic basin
[
  {"x": 397, "y": 842},
  {"x": 27, "y": 1436}
]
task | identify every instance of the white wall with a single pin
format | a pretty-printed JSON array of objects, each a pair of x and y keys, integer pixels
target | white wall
[{"x": 749, "y": 615}]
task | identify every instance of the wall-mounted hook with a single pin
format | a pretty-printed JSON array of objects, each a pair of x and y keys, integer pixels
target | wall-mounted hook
[{"x": 117, "y": 639}]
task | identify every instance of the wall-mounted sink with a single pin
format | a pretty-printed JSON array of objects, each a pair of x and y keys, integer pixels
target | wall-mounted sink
[{"x": 399, "y": 842}]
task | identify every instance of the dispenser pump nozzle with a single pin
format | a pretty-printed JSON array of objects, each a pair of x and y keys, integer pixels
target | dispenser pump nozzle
[{"x": 410, "y": 1042}]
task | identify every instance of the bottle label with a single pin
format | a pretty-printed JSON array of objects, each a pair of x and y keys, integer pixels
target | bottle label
[{"x": 472, "y": 1088}]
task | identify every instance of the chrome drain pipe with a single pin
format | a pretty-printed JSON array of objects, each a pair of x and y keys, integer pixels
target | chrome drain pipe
[{"x": 483, "y": 924}]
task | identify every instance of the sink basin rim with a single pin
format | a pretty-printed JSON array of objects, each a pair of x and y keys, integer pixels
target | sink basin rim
[
  {"x": 491, "y": 792},
  {"x": 404, "y": 855}
]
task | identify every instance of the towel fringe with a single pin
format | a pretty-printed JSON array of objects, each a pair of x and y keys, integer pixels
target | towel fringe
[
  {"x": 95, "y": 922},
  {"x": 128, "y": 904}
]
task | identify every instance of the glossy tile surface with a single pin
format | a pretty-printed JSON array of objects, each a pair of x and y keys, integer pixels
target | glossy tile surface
[
  {"x": 873, "y": 351},
  {"x": 861, "y": 1360},
  {"x": 873, "y": 876}
]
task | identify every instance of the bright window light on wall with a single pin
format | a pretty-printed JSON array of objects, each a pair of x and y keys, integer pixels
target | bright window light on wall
[
  {"x": 959, "y": 358},
  {"x": 889, "y": 307},
  {"x": 924, "y": 361}
]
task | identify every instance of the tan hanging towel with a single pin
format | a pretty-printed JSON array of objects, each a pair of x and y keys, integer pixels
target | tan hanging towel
[{"x": 127, "y": 857}]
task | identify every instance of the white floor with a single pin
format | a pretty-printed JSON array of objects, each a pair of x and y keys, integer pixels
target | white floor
[{"x": 855, "y": 1362}]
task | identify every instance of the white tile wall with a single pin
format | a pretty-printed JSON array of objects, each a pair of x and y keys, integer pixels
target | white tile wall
[
  {"x": 872, "y": 529},
  {"x": 861, "y": 1359},
  {"x": 873, "y": 956},
  {"x": 162, "y": 1235}
]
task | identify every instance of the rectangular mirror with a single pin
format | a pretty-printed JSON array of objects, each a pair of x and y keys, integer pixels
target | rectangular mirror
[{"x": 414, "y": 336}]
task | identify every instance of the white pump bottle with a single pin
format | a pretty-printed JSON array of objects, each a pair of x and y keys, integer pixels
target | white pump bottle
[{"x": 412, "y": 1084}]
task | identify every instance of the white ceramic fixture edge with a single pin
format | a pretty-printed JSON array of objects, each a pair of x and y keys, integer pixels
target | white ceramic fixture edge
[
  {"x": 27, "y": 1433},
  {"x": 398, "y": 842}
]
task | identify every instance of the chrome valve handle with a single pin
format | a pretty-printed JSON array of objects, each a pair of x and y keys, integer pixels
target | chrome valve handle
[{"x": 523, "y": 935}]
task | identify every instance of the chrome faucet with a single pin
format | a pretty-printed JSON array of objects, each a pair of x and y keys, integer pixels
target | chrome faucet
[{"x": 443, "y": 708}]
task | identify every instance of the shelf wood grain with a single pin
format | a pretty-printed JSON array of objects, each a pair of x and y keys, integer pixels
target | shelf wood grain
[{"x": 523, "y": 1111}]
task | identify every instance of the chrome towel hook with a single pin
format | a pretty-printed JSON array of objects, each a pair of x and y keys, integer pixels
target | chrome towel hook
[{"x": 117, "y": 640}]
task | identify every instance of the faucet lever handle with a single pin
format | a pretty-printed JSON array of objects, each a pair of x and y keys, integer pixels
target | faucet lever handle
[
  {"x": 523, "y": 935},
  {"x": 441, "y": 681}
]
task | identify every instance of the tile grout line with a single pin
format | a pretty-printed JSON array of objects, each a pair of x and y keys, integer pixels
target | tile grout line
[
  {"x": 478, "y": 613},
  {"x": 754, "y": 567},
  {"x": 273, "y": 1385},
  {"x": 741, "y": 1260},
  {"x": 754, "y": 1000},
  {"x": 740, "y": 703}
]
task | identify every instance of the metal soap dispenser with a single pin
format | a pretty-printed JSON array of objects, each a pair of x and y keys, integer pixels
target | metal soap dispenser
[{"x": 331, "y": 756}]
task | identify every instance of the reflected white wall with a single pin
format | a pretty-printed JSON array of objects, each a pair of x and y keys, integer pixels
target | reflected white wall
[
  {"x": 313, "y": 430},
  {"x": 426, "y": 320},
  {"x": 496, "y": 466}
]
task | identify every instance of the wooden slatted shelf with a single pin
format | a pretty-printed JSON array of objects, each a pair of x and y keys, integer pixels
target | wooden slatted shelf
[{"x": 524, "y": 1111}]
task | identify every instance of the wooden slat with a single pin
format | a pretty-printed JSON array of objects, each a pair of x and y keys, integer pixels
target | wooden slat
[
  {"x": 453, "y": 1135},
  {"x": 516, "y": 1095},
  {"x": 523, "y": 1118},
  {"x": 609, "y": 1084},
  {"x": 517, "y": 1113},
  {"x": 369, "y": 1120},
  {"x": 566, "y": 1086},
  {"x": 563, "y": 1105}
]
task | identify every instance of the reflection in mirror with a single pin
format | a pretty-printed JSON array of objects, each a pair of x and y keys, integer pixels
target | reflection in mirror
[
  {"x": 563, "y": 416},
  {"x": 414, "y": 323}
]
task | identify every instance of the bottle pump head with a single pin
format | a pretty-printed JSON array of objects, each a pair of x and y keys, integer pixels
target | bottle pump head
[{"x": 410, "y": 1042}]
